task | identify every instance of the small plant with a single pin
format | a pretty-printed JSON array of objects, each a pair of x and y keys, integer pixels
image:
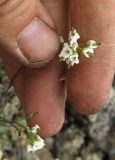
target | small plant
[
  {"x": 34, "y": 141},
  {"x": 73, "y": 50}
]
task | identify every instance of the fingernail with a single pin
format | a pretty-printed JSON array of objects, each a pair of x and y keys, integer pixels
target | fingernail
[{"x": 38, "y": 41}]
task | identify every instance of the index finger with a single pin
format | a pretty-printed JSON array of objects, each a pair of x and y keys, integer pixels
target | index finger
[{"x": 89, "y": 83}]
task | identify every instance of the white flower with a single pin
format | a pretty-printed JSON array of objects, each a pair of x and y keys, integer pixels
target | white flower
[
  {"x": 61, "y": 39},
  {"x": 88, "y": 51},
  {"x": 34, "y": 129},
  {"x": 35, "y": 143},
  {"x": 73, "y": 59},
  {"x": 66, "y": 52},
  {"x": 69, "y": 55},
  {"x": 71, "y": 51},
  {"x": 92, "y": 44},
  {"x": 73, "y": 37}
]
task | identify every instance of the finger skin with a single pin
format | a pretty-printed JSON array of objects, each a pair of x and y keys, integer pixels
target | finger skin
[
  {"x": 89, "y": 83},
  {"x": 59, "y": 8},
  {"x": 16, "y": 28},
  {"x": 40, "y": 89},
  {"x": 44, "y": 93}
]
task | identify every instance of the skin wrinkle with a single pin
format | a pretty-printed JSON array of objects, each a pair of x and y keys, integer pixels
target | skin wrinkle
[
  {"x": 3, "y": 1},
  {"x": 50, "y": 1},
  {"x": 12, "y": 27},
  {"x": 9, "y": 6},
  {"x": 16, "y": 13}
]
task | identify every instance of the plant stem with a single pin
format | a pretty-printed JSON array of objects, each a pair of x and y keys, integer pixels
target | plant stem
[
  {"x": 14, "y": 124},
  {"x": 9, "y": 122}
]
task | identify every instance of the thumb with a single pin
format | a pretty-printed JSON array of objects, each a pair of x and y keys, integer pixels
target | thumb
[{"x": 27, "y": 32}]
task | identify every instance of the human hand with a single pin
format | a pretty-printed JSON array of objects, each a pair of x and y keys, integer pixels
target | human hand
[{"x": 41, "y": 89}]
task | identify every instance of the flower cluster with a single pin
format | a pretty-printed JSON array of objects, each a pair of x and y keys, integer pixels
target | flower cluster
[
  {"x": 71, "y": 51},
  {"x": 35, "y": 142},
  {"x": 89, "y": 49}
]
